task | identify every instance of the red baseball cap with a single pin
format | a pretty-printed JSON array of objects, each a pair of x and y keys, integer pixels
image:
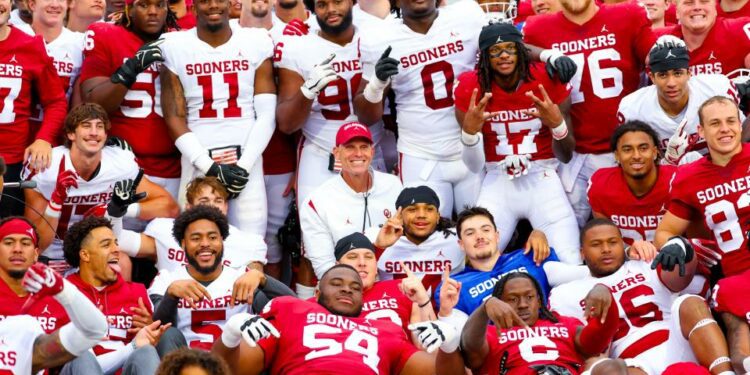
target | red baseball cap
[{"x": 352, "y": 130}]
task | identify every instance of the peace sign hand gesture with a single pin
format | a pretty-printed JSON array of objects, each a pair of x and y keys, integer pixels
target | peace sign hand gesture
[
  {"x": 476, "y": 115},
  {"x": 546, "y": 110}
]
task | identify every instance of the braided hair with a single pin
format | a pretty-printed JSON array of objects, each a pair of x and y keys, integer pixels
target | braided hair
[
  {"x": 170, "y": 23},
  {"x": 485, "y": 72},
  {"x": 497, "y": 292},
  {"x": 445, "y": 225}
]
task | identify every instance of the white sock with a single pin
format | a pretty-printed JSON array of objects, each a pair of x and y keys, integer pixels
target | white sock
[{"x": 304, "y": 291}]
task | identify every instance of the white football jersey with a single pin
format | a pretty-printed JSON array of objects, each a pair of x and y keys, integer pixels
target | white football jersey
[
  {"x": 17, "y": 336},
  {"x": 203, "y": 325},
  {"x": 427, "y": 260},
  {"x": 643, "y": 105},
  {"x": 643, "y": 301},
  {"x": 334, "y": 106},
  {"x": 429, "y": 64},
  {"x": 218, "y": 82},
  {"x": 116, "y": 165},
  {"x": 240, "y": 248}
]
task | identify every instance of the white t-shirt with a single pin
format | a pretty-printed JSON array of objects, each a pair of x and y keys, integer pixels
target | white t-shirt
[
  {"x": 17, "y": 336},
  {"x": 429, "y": 65},
  {"x": 240, "y": 248},
  {"x": 203, "y": 325}
]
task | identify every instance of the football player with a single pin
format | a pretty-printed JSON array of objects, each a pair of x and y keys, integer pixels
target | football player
[
  {"x": 734, "y": 311},
  {"x": 327, "y": 336},
  {"x": 609, "y": 44},
  {"x": 657, "y": 326},
  {"x": 88, "y": 178},
  {"x": 513, "y": 119},
  {"x": 712, "y": 190},
  {"x": 121, "y": 73},
  {"x": 671, "y": 104},
  {"x": 527, "y": 338},
  {"x": 220, "y": 108}
]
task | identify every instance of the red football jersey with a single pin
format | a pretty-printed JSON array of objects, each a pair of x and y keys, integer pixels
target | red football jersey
[
  {"x": 114, "y": 301},
  {"x": 512, "y": 132},
  {"x": 637, "y": 217},
  {"x": 280, "y": 156},
  {"x": 610, "y": 51},
  {"x": 385, "y": 301},
  {"x": 139, "y": 119},
  {"x": 544, "y": 343},
  {"x": 27, "y": 76},
  {"x": 719, "y": 197},
  {"x": 730, "y": 295},
  {"x": 739, "y": 13},
  {"x": 719, "y": 54},
  {"x": 315, "y": 341},
  {"x": 48, "y": 312}
]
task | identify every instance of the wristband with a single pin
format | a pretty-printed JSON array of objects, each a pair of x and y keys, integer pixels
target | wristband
[
  {"x": 424, "y": 304},
  {"x": 230, "y": 339},
  {"x": 549, "y": 54},
  {"x": 374, "y": 90},
  {"x": 53, "y": 210},
  {"x": 560, "y": 131},
  {"x": 191, "y": 147},
  {"x": 130, "y": 242},
  {"x": 470, "y": 140}
]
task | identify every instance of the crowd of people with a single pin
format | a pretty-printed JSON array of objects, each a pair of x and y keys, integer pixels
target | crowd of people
[{"x": 374, "y": 187}]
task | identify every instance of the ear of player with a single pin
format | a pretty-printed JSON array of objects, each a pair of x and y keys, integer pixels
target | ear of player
[
  {"x": 148, "y": 54},
  {"x": 251, "y": 328},
  {"x": 232, "y": 176},
  {"x": 676, "y": 251},
  {"x": 321, "y": 75},
  {"x": 124, "y": 194},
  {"x": 436, "y": 334}
]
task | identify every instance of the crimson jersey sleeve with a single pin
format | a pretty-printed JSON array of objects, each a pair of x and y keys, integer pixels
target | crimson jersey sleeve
[
  {"x": 730, "y": 295},
  {"x": 465, "y": 85},
  {"x": 48, "y": 88},
  {"x": 595, "y": 193},
  {"x": 679, "y": 198},
  {"x": 97, "y": 56}
]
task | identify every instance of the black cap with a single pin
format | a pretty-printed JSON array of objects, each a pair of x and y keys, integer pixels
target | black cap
[
  {"x": 664, "y": 58},
  {"x": 495, "y": 33},
  {"x": 419, "y": 194},
  {"x": 353, "y": 241}
]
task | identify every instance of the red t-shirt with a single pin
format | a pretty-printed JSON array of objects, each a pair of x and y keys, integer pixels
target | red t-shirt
[
  {"x": 315, "y": 341},
  {"x": 385, "y": 301},
  {"x": 719, "y": 197},
  {"x": 50, "y": 313},
  {"x": 724, "y": 49},
  {"x": 610, "y": 51},
  {"x": 637, "y": 217},
  {"x": 551, "y": 343},
  {"x": 512, "y": 132},
  {"x": 730, "y": 295},
  {"x": 139, "y": 119},
  {"x": 27, "y": 76}
]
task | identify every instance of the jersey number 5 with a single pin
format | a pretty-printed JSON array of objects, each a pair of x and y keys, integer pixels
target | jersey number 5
[{"x": 328, "y": 346}]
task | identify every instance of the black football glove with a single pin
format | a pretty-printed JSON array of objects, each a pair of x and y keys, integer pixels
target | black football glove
[
  {"x": 233, "y": 177},
  {"x": 290, "y": 234},
  {"x": 118, "y": 142},
  {"x": 676, "y": 251},
  {"x": 124, "y": 194},
  {"x": 550, "y": 370},
  {"x": 387, "y": 66},
  {"x": 563, "y": 66},
  {"x": 148, "y": 54}
]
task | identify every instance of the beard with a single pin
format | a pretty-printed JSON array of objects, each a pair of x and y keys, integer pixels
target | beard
[
  {"x": 483, "y": 254},
  {"x": 323, "y": 301},
  {"x": 215, "y": 27},
  {"x": 346, "y": 21},
  {"x": 205, "y": 270},
  {"x": 17, "y": 274},
  {"x": 259, "y": 13},
  {"x": 288, "y": 4},
  {"x": 575, "y": 8}
]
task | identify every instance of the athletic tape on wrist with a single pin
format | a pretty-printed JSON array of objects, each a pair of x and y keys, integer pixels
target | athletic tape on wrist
[{"x": 560, "y": 131}]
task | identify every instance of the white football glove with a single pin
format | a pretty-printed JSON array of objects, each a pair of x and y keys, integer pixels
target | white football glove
[
  {"x": 436, "y": 334},
  {"x": 677, "y": 145},
  {"x": 516, "y": 165},
  {"x": 669, "y": 41},
  {"x": 246, "y": 326},
  {"x": 321, "y": 75}
]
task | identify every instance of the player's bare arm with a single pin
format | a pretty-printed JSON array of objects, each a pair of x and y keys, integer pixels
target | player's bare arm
[
  {"x": 738, "y": 338},
  {"x": 158, "y": 202},
  {"x": 243, "y": 359},
  {"x": 102, "y": 91},
  {"x": 49, "y": 352},
  {"x": 173, "y": 103},
  {"x": 367, "y": 112},
  {"x": 473, "y": 342},
  {"x": 421, "y": 363},
  {"x": 238, "y": 343},
  {"x": 35, "y": 209},
  {"x": 293, "y": 108},
  {"x": 670, "y": 226},
  {"x": 563, "y": 148}
]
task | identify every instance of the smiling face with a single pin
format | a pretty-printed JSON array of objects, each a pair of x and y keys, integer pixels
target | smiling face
[
  {"x": 203, "y": 246},
  {"x": 99, "y": 256},
  {"x": 603, "y": 250},
  {"x": 479, "y": 238},
  {"x": 48, "y": 13},
  {"x": 334, "y": 16},
  {"x": 420, "y": 221},
  {"x": 89, "y": 137},
  {"x": 521, "y": 295},
  {"x": 340, "y": 292},
  {"x": 212, "y": 15},
  {"x": 545, "y": 6},
  {"x": 355, "y": 156},
  {"x": 636, "y": 153},
  {"x": 696, "y": 16},
  {"x": 720, "y": 126},
  {"x": 504, "y": 58},
  {"x": 655, "y": 9},
  {"x": 258, "y": 8},
  {"x": 364, "y": 261},
  {"x": 87, "y": 9}
]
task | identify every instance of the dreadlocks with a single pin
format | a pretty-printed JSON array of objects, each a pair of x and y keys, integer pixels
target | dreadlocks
[
  {"x": 497, "y": 292},
  {"x": 486, "y": 72},
  {"x": 124, "y": 19},
  {"x": 445, "y": 225}
]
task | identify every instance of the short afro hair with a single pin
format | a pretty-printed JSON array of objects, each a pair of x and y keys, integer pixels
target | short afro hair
[
  {"x": 174, "y": 362},
  {"x": 200, "y": 212},
  {"x": 596, "y": 222},
  {"x": 77, "y": 233}
]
